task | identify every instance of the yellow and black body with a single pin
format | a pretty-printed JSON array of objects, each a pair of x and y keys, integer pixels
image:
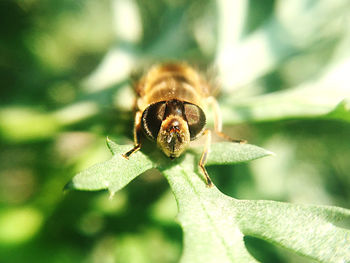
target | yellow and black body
[{"x": 170, "y": 112}]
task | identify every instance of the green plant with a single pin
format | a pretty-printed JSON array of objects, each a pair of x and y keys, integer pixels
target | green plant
[
  {"x": 283, "y": 70},
  {"x": 214, "y": 224}
]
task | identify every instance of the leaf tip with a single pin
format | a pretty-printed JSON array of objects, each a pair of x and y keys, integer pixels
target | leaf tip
[
  {"x": 269, "y": 153},
  {"x": 69, "y": 186},
  {"x": 109, "y": 143}
]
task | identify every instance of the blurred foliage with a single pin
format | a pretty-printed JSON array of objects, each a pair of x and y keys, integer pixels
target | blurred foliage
[{"x": 64, "y": 70}]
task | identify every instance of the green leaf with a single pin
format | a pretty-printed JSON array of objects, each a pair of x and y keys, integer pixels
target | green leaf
[
  {"x": 207, "y": 217},
  {"x": 117, "y": 172},
  {"x": 341, "y": 111},
  {"x": 306, "y": 229},
  {"x": 311, "y": 100},
  {"x": 113, "y": 174},
  {"x": 214, "y": 224},
  {"x": 230, "y": 153}
]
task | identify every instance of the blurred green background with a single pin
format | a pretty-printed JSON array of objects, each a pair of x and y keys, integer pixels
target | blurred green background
[{"x": 64, "y": 75}]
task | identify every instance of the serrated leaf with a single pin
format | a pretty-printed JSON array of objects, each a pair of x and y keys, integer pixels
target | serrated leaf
[
  {"x": 210, "y": 231},
  {"x": 215, "y": 224},
  {"x": 230, "y": 153},
  {"x": 113, "y": 174},
  {"x": 117, "y": 172},
  {"x": 306, "y": 229}
]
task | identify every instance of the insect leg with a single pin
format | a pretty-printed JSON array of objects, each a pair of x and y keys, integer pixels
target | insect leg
[
  {"x": 218, "y": 121},
  {"x": 204, "y": 157},
  {"x": 137, "y": 144}
]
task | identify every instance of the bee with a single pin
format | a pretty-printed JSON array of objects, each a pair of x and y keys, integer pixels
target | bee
[{"x": 170, "y": 103}]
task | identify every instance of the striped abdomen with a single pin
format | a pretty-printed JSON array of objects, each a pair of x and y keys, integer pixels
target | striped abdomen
[{"x": 171, "y": 81}]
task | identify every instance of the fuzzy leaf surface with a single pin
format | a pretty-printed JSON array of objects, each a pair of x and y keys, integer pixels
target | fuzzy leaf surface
[
  {"x": 117, "y": 172},
  {"x": 113, "y": 174},
  {"x": 215, "y": 224}
]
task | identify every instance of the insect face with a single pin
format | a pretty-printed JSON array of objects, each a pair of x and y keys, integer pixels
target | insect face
[
  {"x": 173, "y": 124},
  {"x": 174, "y": 136}
]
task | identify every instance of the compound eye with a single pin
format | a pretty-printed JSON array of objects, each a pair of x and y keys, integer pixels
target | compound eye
[
  {"x": 152, "y": 118},
  {"x": 195, "y": 119}
]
